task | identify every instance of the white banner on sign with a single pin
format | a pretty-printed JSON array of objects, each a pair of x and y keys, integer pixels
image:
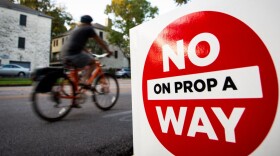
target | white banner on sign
[{"x": 224, "y": 84}]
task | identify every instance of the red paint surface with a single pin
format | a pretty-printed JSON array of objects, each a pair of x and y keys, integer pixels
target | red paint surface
[{"x": 202, "y": 49}]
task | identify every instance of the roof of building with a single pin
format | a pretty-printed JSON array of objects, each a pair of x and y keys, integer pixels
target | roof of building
[
  {"x": 99, "y": 26},
  {"x": 9, "y": 5}
]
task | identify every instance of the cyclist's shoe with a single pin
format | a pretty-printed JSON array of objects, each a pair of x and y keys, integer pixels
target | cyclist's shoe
[
  {"x": 55, "y": 97},
  {"x": 76, "y": 106},
  {"x": 85, "y": 86},
  {"x": 105, "y": 89}
]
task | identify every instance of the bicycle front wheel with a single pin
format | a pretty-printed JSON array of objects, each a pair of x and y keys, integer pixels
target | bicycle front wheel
[
  {"x": 106, "y": 91},
  {"x": 55, "y": 104}
]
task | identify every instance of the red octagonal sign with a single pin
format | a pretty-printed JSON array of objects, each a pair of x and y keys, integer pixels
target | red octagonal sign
[{"x": 209, "y": 86}]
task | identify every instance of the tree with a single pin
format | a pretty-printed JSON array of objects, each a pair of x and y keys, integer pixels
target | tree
[
  {"x": 60, "y": 16},
  {"x": 180, "y": 2},
  {"x": 127, "y": 14}
]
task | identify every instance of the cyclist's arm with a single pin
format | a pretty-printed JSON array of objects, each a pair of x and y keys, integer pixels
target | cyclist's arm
[
  {"x": 86, "y": 50},
  {"x": 103, "y": 45}
]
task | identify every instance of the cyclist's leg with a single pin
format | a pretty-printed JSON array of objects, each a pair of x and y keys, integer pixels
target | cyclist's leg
[
  {"x": 88, "y": 70},
  {"x": 83, "y": 60}
]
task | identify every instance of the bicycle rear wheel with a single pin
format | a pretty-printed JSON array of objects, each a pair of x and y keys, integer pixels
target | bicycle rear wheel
[
  {"x": 106, "y": 91},
  {"x": 55, "y": 104}
]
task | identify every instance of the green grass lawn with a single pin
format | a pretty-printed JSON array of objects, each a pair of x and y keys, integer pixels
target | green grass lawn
[{"x": 15, "y": 81}]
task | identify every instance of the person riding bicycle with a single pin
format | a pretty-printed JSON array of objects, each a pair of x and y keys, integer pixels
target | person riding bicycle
[
  {"x": 74, "y": 52},
  {"x": 74, "y": 49}
]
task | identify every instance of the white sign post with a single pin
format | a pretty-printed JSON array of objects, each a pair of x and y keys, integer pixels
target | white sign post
[{"x": 205, "y": 80}]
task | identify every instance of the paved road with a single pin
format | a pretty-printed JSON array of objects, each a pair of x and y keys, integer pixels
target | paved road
[{"x": 86, "y": 131}]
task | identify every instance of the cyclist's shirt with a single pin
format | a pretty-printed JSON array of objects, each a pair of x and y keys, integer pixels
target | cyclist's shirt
[{"x": 77, "y": 40}]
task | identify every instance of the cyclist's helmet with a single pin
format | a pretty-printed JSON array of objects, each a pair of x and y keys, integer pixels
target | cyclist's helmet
[{"x": 86, "y": 19}]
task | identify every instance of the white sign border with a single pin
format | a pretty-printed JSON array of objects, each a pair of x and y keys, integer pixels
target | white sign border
[{"x": 264, "y": 23}]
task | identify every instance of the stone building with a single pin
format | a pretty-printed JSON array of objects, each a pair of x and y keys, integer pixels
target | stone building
[
  {"x": 118, "y": 60},
  {"x": 25, "y": 36}
]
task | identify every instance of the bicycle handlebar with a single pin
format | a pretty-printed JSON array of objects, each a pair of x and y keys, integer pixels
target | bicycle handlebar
[{"x": 100, "y": 56}]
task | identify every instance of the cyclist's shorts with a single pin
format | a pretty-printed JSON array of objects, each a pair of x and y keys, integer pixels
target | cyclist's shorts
[{"x": 80, "y": 60}]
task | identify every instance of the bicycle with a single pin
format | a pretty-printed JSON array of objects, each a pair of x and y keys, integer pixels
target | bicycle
[{"x": 59, "y": 90}]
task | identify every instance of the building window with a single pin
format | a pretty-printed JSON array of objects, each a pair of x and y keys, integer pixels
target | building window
[
  {"x": 21, "y": 42},
  {"x": 116, "y": 54},
  {"x": 101, "y": 34},
  {"x": 55, "y": 43},
  {"x": 22, "y": 20},
  {"x": 62, "y": 41}
]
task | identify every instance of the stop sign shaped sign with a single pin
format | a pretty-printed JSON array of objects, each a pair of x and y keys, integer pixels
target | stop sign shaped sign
[{"x": 209, "y": 86}]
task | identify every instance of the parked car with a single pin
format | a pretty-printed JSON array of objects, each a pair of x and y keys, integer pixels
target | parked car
[
  {"x": 14, "y": 70},
  {"x": 123, "y": 72}
]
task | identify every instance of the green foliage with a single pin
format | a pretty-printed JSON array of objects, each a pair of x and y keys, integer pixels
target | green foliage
[
  {"x": 15, "y": 81},
  {"x": 60, "y": 16},
  {"x": 180, "y": 2},
  {"x": 126, "y": 15}
]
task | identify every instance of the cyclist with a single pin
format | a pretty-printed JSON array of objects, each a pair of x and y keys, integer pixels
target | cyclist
[{"x": 74, "y": 49}]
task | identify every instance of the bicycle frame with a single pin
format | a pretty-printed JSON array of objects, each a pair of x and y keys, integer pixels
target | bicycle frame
[{"x": 74, "y": 76}]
